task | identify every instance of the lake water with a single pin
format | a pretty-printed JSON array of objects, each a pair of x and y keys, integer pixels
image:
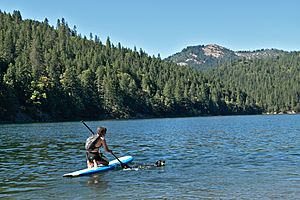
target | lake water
[{"x": 231, "y": 157}]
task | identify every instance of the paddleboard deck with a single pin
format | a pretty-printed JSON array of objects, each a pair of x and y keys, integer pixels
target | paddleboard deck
[{"x": 112, "y": 165}]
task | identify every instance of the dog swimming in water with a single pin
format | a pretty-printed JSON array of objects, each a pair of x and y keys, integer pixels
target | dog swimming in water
[{"x": 158, "y": 163}]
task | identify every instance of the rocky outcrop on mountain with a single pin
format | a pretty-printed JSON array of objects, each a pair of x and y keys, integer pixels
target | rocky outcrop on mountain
[{"x": 206, "y": 56}]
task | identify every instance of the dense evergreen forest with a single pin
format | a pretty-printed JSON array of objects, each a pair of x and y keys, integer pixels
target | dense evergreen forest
[
  {"x": 273, "y": 83},
  {"x": 52, "y": 73}
]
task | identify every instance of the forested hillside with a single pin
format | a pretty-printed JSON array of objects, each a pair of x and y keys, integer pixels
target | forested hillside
[
  {"x": 53, "y": 73},
  {"x": 273, "y": 83}
]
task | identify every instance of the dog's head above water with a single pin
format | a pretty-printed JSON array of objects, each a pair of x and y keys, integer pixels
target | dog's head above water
[{"x": 160, "y": 163}]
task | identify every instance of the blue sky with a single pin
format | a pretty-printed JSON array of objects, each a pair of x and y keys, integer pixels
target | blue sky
[{"x": 167, "y": 26}]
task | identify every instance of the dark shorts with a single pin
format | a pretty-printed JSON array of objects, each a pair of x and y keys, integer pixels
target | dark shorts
[{"x": 91, "y": 156}]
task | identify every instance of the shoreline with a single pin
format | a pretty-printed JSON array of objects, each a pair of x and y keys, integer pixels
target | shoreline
[{"x": 26, "y": 119}]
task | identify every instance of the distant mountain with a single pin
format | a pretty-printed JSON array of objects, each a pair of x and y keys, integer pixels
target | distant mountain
[{"x": 206, "y": 56}]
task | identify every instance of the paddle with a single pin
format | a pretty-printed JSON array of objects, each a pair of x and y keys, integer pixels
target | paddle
[
  {"x": 123, "y": 165},
  {"x": 88, "y": 127}
]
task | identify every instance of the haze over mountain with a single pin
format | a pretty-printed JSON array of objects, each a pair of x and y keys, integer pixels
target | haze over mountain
[{"x": 206, "y": 56}]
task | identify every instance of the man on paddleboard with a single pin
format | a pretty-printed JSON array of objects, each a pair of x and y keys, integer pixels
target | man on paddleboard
[{"x": 93, "y": 145}]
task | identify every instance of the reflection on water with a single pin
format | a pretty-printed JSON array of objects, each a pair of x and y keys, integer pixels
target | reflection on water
[
  {"x": 233, "y": 157},
  {"x": 97, "y": 182}
]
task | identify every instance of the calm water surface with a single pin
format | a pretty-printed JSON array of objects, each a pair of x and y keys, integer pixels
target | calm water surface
[{"x": 232, "y": 157}]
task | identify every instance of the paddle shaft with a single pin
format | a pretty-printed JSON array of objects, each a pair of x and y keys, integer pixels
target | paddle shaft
[
  {"x": 88, "y": 127},
  {"x": 122, "y": 164}
]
